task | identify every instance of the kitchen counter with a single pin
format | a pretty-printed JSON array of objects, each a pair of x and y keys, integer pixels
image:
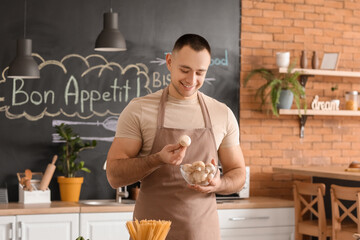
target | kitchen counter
[
  {"x": 255, "y": 202},
  {"x": 68, "y": 207},
  {"x": 336, "y": 172},
  {"x": 38, "y": 208}
]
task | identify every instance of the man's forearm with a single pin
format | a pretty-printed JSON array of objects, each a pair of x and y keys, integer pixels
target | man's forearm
[
  {"x": 122, "y": 172},
  {"x": 232, "y": 181}
]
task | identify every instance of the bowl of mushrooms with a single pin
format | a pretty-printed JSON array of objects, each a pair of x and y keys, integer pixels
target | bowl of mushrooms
[{"x": 198, "y": 172}]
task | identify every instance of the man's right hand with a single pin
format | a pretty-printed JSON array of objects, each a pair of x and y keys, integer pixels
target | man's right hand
[
  {"x": 124, "y": 167},
  {"x": 172, "y": 154}
]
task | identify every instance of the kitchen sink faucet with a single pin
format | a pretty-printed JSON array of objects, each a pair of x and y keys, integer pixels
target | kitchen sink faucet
[{"x": 121, "y": 194}]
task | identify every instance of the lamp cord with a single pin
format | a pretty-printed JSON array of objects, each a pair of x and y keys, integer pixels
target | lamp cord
[
  {"x": 25, "y": 18},
  {"x": 110, "y": 6}
]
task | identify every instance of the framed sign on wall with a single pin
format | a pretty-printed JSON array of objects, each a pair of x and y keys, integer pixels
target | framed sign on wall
[{"x": 330, "y": 61}]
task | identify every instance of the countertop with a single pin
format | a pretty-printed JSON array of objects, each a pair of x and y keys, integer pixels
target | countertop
[
  {"x": 56, "y": 207},
  {"x": 38, "y": 208},
  {"x": 337, "y": 172}
]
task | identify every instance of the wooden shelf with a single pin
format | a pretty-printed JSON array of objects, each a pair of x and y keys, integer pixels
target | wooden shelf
[
  {"x": 319, "y": 112},
  {"x": 304, "y": 74},
  {"x": 320, "y": 72},
  {"x": 310, "y": 112}
]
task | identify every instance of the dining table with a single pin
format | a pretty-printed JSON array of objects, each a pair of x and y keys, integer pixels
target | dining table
[
  {"x": 319, "y": 171},
  {"x": 338, "y": 175}
]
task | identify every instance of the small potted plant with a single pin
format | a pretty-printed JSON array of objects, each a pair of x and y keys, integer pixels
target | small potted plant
[
  {"x": 336, "y": 100},
  {"x": 281, "y": 88},
  {"x": 70, "y": 185}
]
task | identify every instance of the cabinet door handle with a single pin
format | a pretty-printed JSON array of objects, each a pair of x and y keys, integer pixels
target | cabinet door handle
[
  {"x": 11, "y": 231},
  {"x": 19, "y": 231},
  {"x": 248, "y": 218}
]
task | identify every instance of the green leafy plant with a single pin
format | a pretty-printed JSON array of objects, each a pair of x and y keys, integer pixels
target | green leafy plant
[
  {"x": 334, "y": 89},
  {"x": 69, "y": 151},
  {"x": 81, "y": 238},
  {"x": 275, "y": 82}
]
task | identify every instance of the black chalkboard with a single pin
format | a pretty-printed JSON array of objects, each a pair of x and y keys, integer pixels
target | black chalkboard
[{"x": 87, "y": 89}]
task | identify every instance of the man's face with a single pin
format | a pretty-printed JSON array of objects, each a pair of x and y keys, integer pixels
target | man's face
[{"x": 188, "y": 69}]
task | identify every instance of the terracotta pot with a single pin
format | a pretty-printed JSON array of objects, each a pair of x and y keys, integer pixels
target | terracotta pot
[{"x": 70, "y": 188}]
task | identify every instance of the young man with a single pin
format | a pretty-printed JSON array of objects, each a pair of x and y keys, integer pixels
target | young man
[{"x": 146, "y": 147}]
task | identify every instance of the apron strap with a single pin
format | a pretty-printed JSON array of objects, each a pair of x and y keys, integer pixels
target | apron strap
[
  {"x": 204, "y": 111},
  {"x": 161, "y": 113}
]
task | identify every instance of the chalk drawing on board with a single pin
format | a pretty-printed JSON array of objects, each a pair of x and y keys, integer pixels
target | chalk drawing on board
[
  {"x": 159, "y": 61},
  {"x": 209, "y": 80},
  {"x": 57, "y": 139},
  {"x": 15, "y": 111},
  {"x": 141, "y": 79},
  {"x": 44, "y": 113},
  {"x": 109, "y": 123}
]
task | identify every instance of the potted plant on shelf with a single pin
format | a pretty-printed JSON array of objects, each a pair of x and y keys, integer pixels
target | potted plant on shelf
[
  {"x": 281, "y": 88},
  {"x": 336, "y": 100},
  {"x": 70, "y": 185}
]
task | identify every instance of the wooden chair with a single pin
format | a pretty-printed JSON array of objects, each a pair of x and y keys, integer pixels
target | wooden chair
[
  {"x": 345, "y": 222},
  {"x": 309, "y": 203}
]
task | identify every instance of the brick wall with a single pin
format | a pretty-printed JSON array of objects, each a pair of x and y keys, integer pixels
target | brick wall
[{"x": 269, "y": 26}]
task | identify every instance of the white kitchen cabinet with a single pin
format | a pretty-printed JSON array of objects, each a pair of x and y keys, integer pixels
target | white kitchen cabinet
[
  {"x": 48, "y": 226},
  {"x": 104, "y": 226},
  {"x": 252, "y": 219},
  {"x": 7, "y": 227},
  {"x": 257, "y": 224},
  {"x": 245, "y": 224}
]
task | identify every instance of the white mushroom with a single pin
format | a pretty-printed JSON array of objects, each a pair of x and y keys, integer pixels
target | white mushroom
[
  {"x": 203, "y": 176},
  {"x": 210, "y": 168},
  {"x": 189, "y": 177},
  {"x": 210, "y": 176},
  {"x": 187, "y": 167},
  {"x": 199, "y": 166},
  {"x": 198, "y": 172},
  {"x": 198, "y": 176},
  {"x": 185, "y": 140}
]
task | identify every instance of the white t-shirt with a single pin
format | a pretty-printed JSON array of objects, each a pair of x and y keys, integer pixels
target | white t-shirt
[{"x": 139, "y": 119}]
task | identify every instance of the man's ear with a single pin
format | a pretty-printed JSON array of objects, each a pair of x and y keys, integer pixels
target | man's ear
[{"x": 168, "y": 61}]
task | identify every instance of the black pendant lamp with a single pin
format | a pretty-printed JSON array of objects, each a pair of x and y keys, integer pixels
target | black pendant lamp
[
  {"x": 110, "y": 38},
  {"x": 24, "y": 65}
]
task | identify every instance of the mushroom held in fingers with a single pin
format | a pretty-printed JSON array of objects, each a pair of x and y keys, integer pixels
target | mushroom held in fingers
[{"x": 185, "y": 140}]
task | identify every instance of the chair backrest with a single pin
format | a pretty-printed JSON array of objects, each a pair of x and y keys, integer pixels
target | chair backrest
[
  {"x": 309, "y": 199},
  {"x": 339, "y": 193}
]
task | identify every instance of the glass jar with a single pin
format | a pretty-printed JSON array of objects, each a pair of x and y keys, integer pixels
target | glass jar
[{"x": 351, "y": 99}]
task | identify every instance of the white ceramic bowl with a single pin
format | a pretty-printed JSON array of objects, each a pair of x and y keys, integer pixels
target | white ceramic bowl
[{"x": 197, "y": 177}]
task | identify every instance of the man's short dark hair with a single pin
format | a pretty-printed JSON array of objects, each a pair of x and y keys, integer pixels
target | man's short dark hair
[{"x": 196, "y": 42}]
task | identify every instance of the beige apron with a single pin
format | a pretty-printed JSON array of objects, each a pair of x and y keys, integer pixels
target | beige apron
[{"x": 164, "y": 194}]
